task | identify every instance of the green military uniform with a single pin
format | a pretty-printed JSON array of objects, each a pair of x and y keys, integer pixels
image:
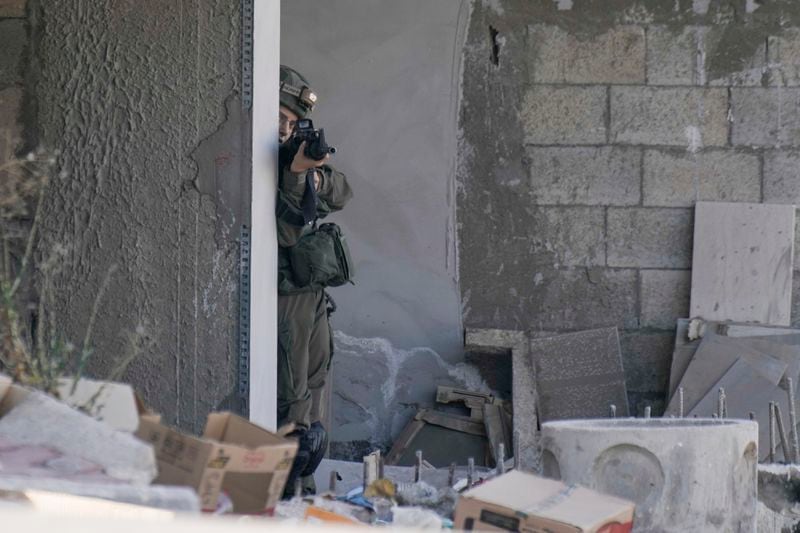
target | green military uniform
[
  {"x": 308, "y": 261},
  {"x": 304, "y": 334}
]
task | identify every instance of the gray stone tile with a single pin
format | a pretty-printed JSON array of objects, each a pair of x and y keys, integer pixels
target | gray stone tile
[
  {"x": 578, "y": 375},
  {"x": 714, "y": 356},
  {"x": 742, "y": 262}
]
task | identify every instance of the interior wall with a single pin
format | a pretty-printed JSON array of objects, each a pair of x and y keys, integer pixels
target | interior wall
[{"x": 388, "y": 78}]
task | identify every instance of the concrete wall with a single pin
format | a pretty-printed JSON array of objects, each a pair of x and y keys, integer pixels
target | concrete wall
[
  {"x": 388, "y": 78},
  {"x": 143, "y": 100},
  {"x": 589, "y": 131},
  {"x": 13, "y": 53}
]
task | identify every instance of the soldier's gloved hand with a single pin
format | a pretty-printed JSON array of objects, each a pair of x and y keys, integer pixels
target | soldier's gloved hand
[{"x": 301, "y": 163}]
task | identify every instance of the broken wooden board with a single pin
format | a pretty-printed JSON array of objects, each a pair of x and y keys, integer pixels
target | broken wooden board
[
  {"x": 523, "y": 388},
  {"x": 497, "y": 420},
  {"x": 474, "y": 401},
  {"x": 578, "y": 375},
  {"x": 443, "y": 438},
  {"x": 714, "y": 357},
  {"x": 742, "y": 262}
]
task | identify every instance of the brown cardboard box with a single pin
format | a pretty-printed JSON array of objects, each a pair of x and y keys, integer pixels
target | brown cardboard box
[
  {"x": 235, "y": 456},
  {"x": 517, "y": 501}
]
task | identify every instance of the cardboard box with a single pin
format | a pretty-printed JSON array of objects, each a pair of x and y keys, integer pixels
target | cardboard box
[
  {"x": 517, "y": 501},
  {"x": 235, "y": 456}
]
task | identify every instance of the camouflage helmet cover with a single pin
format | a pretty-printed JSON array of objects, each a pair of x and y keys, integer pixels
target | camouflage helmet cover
[{"x": 295, "y": 92}]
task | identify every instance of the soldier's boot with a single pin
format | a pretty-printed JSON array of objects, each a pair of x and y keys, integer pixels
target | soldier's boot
[
  {"x": 300, "y": 462},
  {"x": 317, "y": 443}
]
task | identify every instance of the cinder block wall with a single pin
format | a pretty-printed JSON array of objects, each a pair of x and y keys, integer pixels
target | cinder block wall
[{"x": 589, "y": 130}]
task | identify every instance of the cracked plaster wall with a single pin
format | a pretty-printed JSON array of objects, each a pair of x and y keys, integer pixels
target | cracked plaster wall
[
  {"x": 143, "y": 100},
  {"x": 588, "y": 131}
]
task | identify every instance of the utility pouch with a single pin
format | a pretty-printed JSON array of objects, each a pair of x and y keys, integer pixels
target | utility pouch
[{"x": 321, "y": 258}]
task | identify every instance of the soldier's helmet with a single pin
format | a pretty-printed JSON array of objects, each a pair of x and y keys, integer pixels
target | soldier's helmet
[{"x": 295, "y": 92}]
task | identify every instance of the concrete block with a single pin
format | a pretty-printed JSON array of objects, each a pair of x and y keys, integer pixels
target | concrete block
[
  {"x": 578, "y": 375},
  {"x": 42, "y": 420},
  {"x": 608, "y": 298},
  {"x": 683, "y": 474},
  {"x": 564, "y": 115},
  {"x": 784, "y": 58},
  {"x": 585, "y": 175},
  {"x": 664, "y": 297},
  {"x": 687, "y": 55},
  {"x": 649, "y": 237},
  {"x": 182, "y": 499},
  {"x": 646, "y": 359},
  {"x": 12, "y": 8},
  {"x": 13, "y": 39},
  {"x": 672, "y": 56},
  {"x": 679, "y": 179},
  {"x": 726, "y": 66},
  {"x": 765, "y": 117},
  {"x": 575, "y": 235},
  {"x": 782, "y": 177},
  {"x": 615, "y": 56},
  {"x": 687, "y": 117}
]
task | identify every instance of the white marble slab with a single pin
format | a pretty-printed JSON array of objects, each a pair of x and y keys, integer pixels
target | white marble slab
[{"x": 742, "y": 262}]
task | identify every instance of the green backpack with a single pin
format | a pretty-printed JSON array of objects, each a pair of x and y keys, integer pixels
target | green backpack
[{"x": 321, "y": 258}]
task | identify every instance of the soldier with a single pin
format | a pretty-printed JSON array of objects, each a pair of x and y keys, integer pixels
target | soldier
[{"x": 305, "y": 343}]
